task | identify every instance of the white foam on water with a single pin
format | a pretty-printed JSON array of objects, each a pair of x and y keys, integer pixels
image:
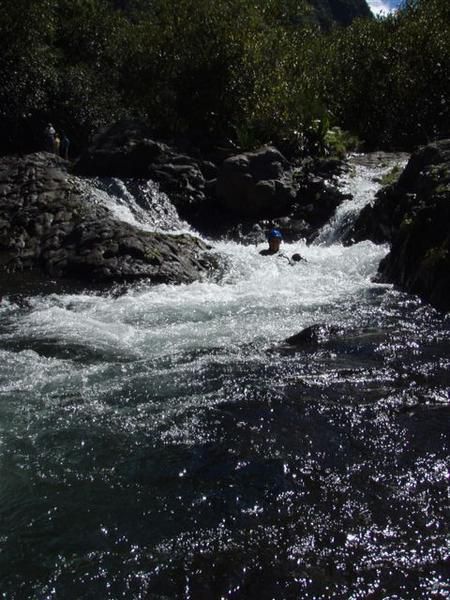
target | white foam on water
[
  {"x": 361, "y": 182},
  {"x": 258, "y": 300},
  {"x": 262, "y": 298},
  {"x": 137, "y": 202}
]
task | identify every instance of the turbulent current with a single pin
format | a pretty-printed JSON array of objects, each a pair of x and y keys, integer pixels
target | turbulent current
[{"x": 162, "y": 443}]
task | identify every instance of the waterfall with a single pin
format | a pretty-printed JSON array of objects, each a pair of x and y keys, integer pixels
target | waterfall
[
  {"x": 138, "y": 202},
  {"x": 361, "y": 182}
]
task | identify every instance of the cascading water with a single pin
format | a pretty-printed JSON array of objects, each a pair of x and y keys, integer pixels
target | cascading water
[
  {"x": 360, "y": 182},
  {"x": 161, "y": 444},
  {"x": 138, "y": 202}
]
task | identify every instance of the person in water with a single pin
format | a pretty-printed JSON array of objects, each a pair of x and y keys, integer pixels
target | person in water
[{"x": 275, "y": 237}]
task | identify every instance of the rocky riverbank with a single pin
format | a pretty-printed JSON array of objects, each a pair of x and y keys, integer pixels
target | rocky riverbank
[
  {"x": 219, "y": 191},
  {"x": 413, "y": 215},
  {"x": 48, "y": 226}
]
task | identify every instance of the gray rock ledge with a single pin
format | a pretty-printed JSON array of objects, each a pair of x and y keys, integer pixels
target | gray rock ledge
[{"x": 47, "y": 226}]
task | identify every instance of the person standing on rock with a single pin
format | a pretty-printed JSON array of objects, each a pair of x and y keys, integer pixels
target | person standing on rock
[
  {"x": 49, "y": 138},
  {"x": 56, "y": 144},
  {"x": 64, "y": 146}
]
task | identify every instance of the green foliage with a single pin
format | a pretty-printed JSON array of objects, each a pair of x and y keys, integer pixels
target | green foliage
[
  {"x": 252, "y": 71},
  {"x": 389, "y": 80},
  {"x": 392, "y": 176},
  {"x": 27, "y": 64},
  {"x": 338, "y": 142}
]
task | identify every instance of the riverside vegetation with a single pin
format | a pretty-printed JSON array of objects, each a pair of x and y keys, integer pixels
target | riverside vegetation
[{"x": 268, "y": 70}]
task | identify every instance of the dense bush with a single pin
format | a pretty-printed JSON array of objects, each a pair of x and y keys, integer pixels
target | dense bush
[
  {"x": 229, "y": 69},
  {"x": 389, "y": 80}
]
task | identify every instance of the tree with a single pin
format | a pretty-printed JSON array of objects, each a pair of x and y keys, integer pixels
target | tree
[{"x": 27, "y": 68}]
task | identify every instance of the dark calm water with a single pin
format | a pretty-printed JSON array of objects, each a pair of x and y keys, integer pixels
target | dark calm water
[{"x": 160, "y": 443}]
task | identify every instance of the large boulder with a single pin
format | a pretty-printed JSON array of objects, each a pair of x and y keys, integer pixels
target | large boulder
[
  {"x": 47, "y": 224},
  {"x": 122, "y": 150},
  {"x": 419, "y": 260},
  {"x": 262, "y": 188},
  {"x": 127, "y": 149},
  {"x": 256, "y": 184}
]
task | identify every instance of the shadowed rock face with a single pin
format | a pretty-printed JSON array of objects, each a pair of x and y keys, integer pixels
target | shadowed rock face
[
  {"x": 414, "y": 215},
  {"x": 47, "y": 225},
  {"x": 127, "y": 149},
  {"x": 255, "y": 184}
]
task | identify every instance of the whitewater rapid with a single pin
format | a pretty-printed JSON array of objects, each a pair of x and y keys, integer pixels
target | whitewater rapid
[
  {"x": 255, "y": 298},
  {"x": 255, "y": 303},
  {"x": 156, "y": 442}
]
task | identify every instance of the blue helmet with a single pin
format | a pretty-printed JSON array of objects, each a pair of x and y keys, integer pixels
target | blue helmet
[{"x": 275, "y": 233}]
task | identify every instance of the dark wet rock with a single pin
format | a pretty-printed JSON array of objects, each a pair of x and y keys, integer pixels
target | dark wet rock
[
  {"x": 263, "y": 185},
  {"x": 294, "y": 228},
  {"x": 127, "y": 149},
  {"x": 313, "y": 336},
  {"x": 47, "y": 224},
  {"x": 216, "y": 192},
  {"x": 325, "y": 167},
  {"x": 255, "y": 184},
  {"x": 419, "y": 260},
  {"x": 123, "y": 150},
  {"x": 413, "y": 215},
  {"x": 299, "y": 202},
  {"x": 379, "y": 221},
  {"x": 317, "y": 200}
]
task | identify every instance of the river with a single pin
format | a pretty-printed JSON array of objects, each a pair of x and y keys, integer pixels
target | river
[{"x": 161, "y": 442}]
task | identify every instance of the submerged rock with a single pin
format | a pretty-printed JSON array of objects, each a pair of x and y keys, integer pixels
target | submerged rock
[
  {"x": 344, "y": 348},
  {"x": 47, "y": 224},
  {"x": 313, "y": 336}
]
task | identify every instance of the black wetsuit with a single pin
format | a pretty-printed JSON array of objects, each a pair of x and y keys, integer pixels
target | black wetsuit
[{"x": 269, "y": 252}]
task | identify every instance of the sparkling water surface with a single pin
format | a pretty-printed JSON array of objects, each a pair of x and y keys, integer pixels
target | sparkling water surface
[{"x": 163, "y": 443}]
